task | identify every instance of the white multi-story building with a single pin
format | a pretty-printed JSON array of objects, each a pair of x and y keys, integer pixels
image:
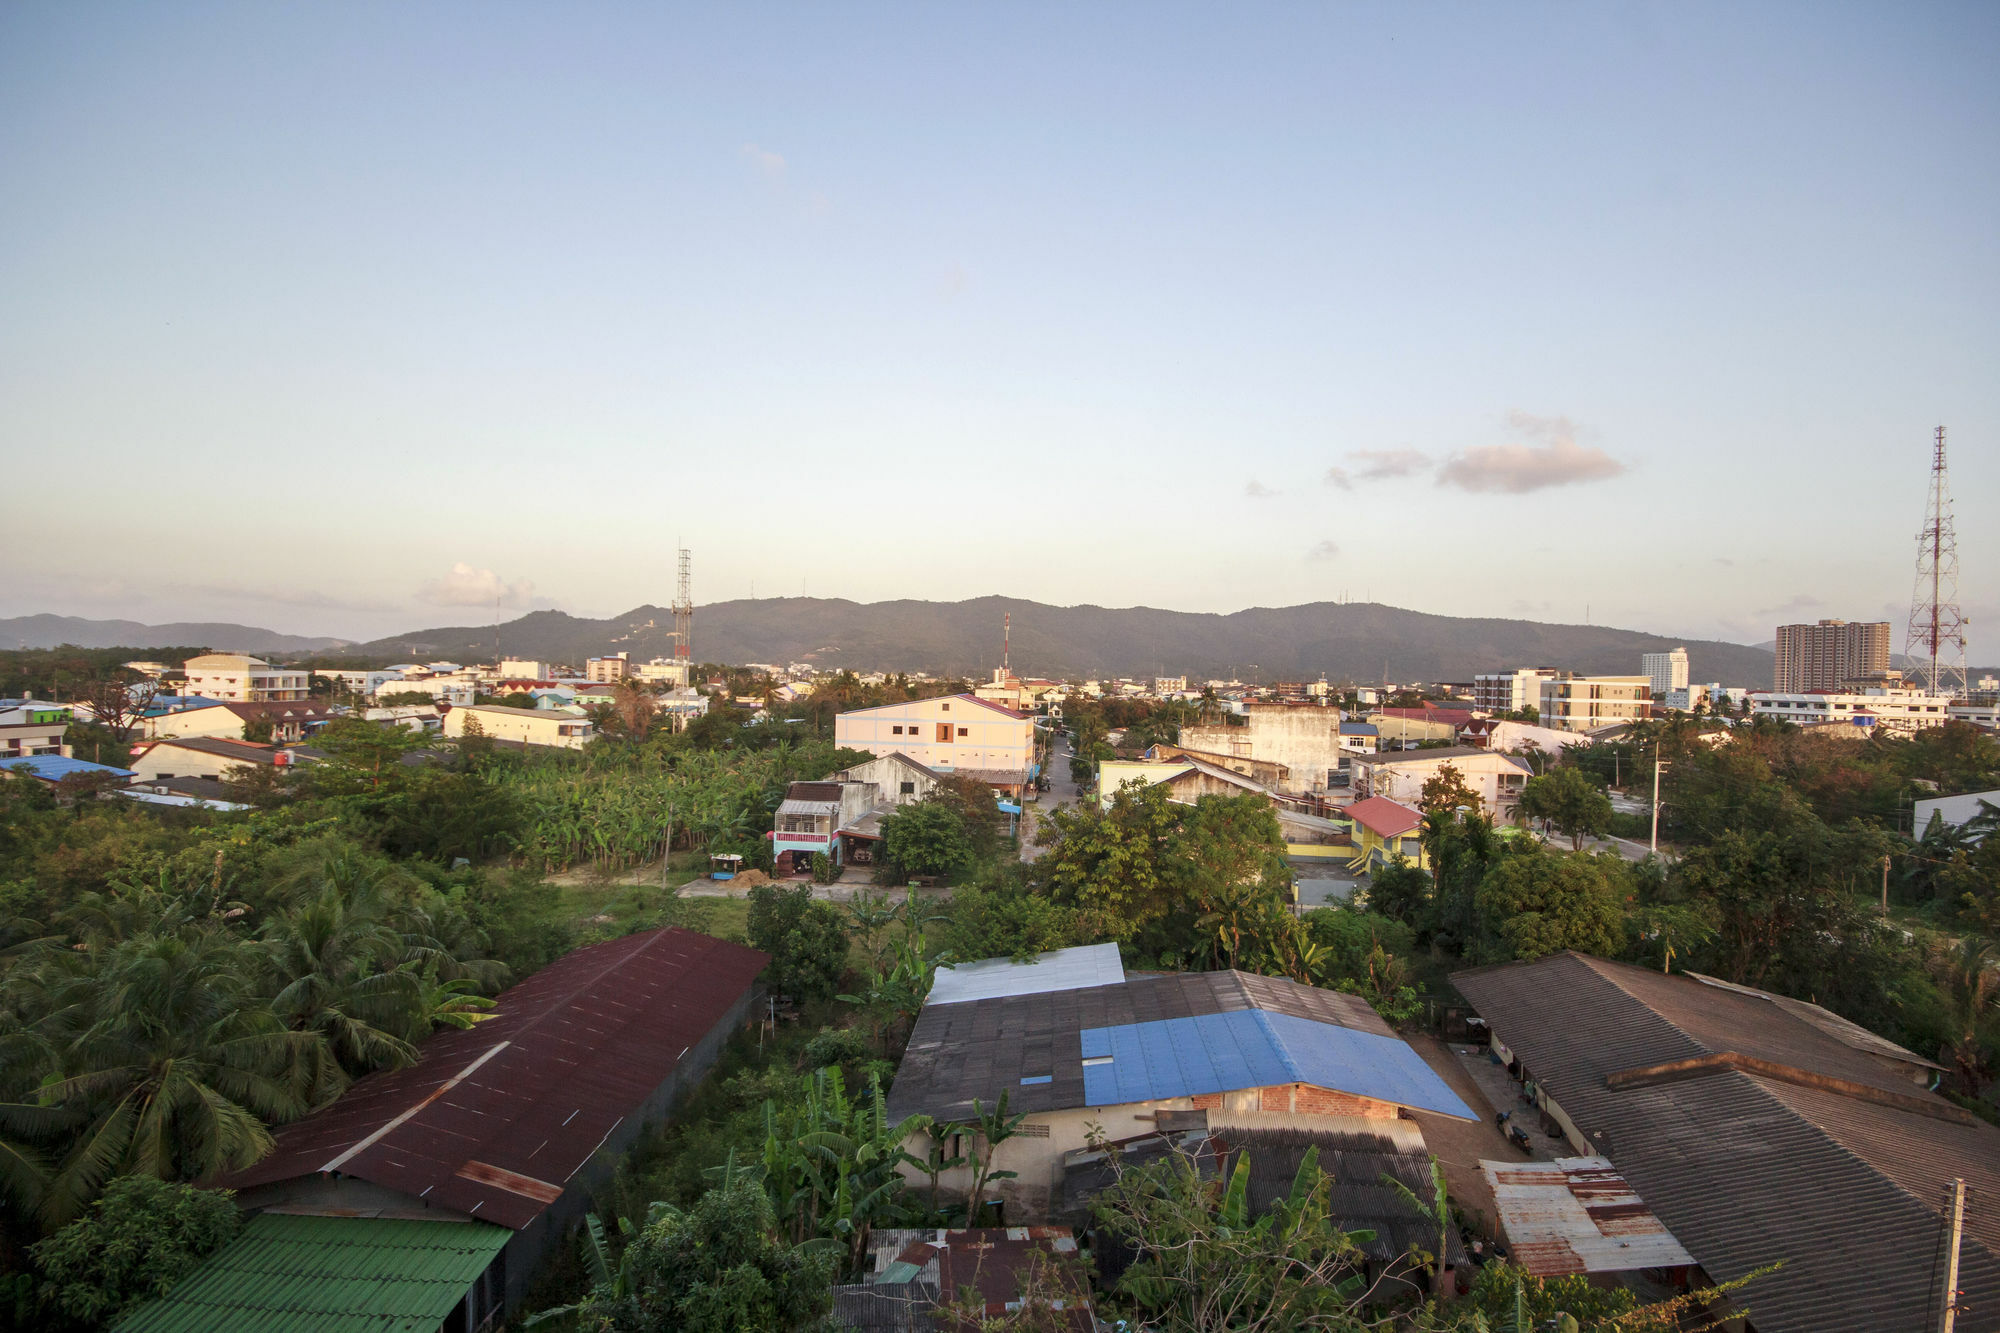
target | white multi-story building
[
  {"x": 235, "y": 678},
  {"x": 1584, "y": 703},
  {"x": 607, "y": 670},
  {"x": 1667, "y": 671},
  {"x": 366, "y": 684},
  {"x": 1509, "y": 691},
  {"x": 1900, "y": 711},
  {"x": 30, "y": 727},
  {"x": 959, "y": 733},
  {"x": 663, "y": 671},
  {"x": 521, "y": 668}
]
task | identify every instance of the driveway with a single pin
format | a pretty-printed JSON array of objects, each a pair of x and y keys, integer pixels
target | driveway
[{"x": 1460, "y": 1145}]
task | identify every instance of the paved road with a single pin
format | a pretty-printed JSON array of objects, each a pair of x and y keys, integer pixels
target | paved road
[
  {"x": 1625, "y": 847},
  {"x": 1062, "y": 791}
]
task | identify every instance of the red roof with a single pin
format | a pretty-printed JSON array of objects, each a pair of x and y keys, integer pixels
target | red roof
[
  {"x": 1384, "y": 817},
  {"x": 494, "y": 1120}
]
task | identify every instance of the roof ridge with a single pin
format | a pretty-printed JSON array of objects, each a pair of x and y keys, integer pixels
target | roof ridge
[{"x": 1278, "y": 1044}]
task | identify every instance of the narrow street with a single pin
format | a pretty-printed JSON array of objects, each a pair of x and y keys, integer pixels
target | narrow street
[{"x": 1062, "y": 790}]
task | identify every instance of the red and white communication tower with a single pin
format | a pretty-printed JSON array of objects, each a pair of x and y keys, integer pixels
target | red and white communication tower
[{"x": 1936, "y": 638}]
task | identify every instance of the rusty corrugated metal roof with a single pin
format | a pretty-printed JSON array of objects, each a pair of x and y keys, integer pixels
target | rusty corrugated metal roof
[
  {"x": 1577, "y": 1215},
  {"x": 493, "y": 1121}
]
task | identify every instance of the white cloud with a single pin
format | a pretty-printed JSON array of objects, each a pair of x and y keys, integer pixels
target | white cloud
[
  {"x": 1558, "y": 460},
  {"x": 1377, "y": 465},
  {"x": 466, "y": 586},
  {"x": 1323, "y": 551},
  {"x": 771, "y": 164},
  {"x": 1257, "y": 490}
]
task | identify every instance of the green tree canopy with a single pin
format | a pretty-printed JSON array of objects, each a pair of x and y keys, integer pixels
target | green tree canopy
[
  {"x": 1535, "y": 902},
  {"x": 139, "y": 1239},
  {"x": 1571, "y": 799},
  {"x": 806, "y": 938},
  {"x": 927, "y": 838}
]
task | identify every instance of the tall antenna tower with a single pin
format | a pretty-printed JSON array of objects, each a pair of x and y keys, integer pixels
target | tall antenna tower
[
  {"x": 1936, "y": 638},
  {"x": 684, "y": 620}
]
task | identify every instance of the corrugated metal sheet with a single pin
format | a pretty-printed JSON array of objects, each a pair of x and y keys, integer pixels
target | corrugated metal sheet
[
  {"x": 1577, "y": 1215},
  {"x": 1062, "y": 969},
  {"x": 1746, "y": 1171},
  {"x": 493, "y": 1121},
  {"x": 328, "y": 1275},
  {"x": 1185, "y": 1057}
]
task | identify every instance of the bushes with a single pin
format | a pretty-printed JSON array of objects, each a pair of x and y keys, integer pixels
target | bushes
[
  {"x": 928, "y": 838},
  {"x": 807, "y": 941},
  {"x": 136, "y": 1242}
]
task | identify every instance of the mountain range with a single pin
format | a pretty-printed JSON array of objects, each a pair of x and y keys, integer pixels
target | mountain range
[
  {"x": 1347, "y": 641},
  {"x": 46, "y": 631}
]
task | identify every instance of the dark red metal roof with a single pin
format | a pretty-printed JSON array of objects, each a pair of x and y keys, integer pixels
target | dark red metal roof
[{"x": 494, "y": 1120}]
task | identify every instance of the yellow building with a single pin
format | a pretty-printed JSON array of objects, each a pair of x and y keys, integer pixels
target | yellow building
[{"x": 1383, "y": 830}]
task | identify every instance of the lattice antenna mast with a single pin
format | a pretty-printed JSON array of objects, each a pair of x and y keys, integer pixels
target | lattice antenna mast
[
  {"x": 1936, "y": 637},
  {"x": 684, "y": 614}
]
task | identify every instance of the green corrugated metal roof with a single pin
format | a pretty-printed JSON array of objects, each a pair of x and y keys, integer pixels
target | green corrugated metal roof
[{"x": 328, "y": 1275}]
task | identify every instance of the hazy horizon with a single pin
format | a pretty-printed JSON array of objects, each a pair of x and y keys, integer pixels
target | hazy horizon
[{"x": 372, "y": 319}]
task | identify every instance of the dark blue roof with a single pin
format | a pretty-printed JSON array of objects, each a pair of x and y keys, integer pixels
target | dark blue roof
[
  {"x": 54, "y": 768},
  {"x": 1256, "y": 1048},
  {"x": 1359, "y": 729}
]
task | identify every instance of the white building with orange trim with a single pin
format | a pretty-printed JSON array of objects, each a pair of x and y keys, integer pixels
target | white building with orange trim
[{"x": 959, "y": 734}]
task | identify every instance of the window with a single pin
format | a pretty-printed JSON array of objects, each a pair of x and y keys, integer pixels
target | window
[
  {"x": 963, "y": 732},
  {"x": 895, "y": 731},
  {"x": 945, "y": 707},
  {"x": 944, "y": 733},
  {"x": 909, "y": 789}
]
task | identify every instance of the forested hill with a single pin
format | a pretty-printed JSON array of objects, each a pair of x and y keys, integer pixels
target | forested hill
[
  {"x": 48, "y": 631},
  {"x": 1346, "y": 641}
]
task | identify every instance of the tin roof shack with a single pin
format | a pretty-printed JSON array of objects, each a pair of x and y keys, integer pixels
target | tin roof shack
[
  {"x": 1759, "y": 1128},
  {"x": 1254, "y": 1052},
  {"x": 917, "y": 1275},
  {"x": 513, "y": 1120},
  {"x": 1578, "y": 1215}
]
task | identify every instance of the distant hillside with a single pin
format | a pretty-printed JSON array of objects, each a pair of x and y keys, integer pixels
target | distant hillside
[
  {"x": 1359, "y": 642},
  {"x": 53, "y": 631}
]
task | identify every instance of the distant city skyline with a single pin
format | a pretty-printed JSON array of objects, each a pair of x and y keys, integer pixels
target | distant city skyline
[{"x": 357, "y": 321}]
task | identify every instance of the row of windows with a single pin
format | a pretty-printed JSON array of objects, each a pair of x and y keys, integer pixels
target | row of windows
[{"x": 943, "y": 732}]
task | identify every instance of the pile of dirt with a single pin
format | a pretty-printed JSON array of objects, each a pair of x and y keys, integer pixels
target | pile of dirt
[{"x": 749, "y": 879}]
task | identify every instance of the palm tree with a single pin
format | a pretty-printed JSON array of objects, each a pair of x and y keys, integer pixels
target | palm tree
[
  {"x": 157, "y": 1057},
  {"x": 1970, "y": 984},
  {"x": 334, "y": 971}
]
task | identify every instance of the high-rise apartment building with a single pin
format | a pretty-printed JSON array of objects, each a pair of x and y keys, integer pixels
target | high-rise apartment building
[
  {"x": 1510, "y": 691},
  {"x": 1830, "y": 654},
  {"x": 1667, "y": 671}
]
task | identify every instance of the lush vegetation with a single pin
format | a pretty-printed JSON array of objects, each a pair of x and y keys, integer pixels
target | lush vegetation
[{"x": 176, "y": 985}]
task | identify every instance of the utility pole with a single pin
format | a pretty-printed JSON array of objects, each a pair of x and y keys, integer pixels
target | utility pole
[
  {"x": 1654, "y": 847},
  {"x": 1950, "y": 1319}
]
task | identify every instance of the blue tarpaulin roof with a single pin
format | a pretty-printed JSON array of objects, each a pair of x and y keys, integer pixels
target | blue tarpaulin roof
[
  {"x": 1256, "y": 1048},
  {"x": 54, "y": 768}
]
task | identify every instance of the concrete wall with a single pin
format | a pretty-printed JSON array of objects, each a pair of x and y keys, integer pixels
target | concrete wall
[
  {"x": 1306, "y": 739},
  {"x": 889, "y": 776}
]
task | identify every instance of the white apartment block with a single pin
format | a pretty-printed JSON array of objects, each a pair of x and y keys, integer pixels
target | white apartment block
[
  {"x": 607, "y": 670},
  {"x": 235, "y": 678},
  {"x": 959, "y": 734},
  {"x": 530, "y": 726},
  {"x": 1585, "y": 703},
  {"x": 1667, "y": 671},
  {"x": 661, "y": 671},
  {"x": 1509, "y": 691},
  {"x": 1898, "y": 711}
]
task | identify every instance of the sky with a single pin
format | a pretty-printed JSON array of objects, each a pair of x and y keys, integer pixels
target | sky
[{"x": 355, "y": 319}]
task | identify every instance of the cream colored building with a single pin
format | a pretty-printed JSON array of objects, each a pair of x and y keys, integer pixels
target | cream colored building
[
  {"x": 607, "y": 670},
  {"x": 1400, "y": 775},
  {"x": 204, "y": 757},
  {"x": 1900, "y": 711},
  {"x": 1584, "y": 703},
  {"x": 958, "y": 734},
  {"x": 529, "y": 726},
  {"x": 1303, "y": 738},
  {"x": 235, "y": 678}
]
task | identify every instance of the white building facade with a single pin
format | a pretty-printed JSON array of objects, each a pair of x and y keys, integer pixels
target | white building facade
[
  {"x": 1667, "y": 671},
  {"x": 956, "y": 734},
  {"x": 236, "y": 678},
  {"x": 1899, "y": 711}
]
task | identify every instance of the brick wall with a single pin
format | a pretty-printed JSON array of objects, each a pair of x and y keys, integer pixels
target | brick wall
[{"x": 1305, "y": 1099}]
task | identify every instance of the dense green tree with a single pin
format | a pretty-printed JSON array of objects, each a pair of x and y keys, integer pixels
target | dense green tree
[
  {"x": 927, "y": 838},
  {"x": 1567, "y": 797},
  {"x": 713, "y": 1268},
  {"x": 1446, "y": 791},
  {"x": 806, "y": 938},
  {"x": 139, "y": 1239},
  {"x": 1402, "y": 893},
  {"x": 1536, "y": 902}
]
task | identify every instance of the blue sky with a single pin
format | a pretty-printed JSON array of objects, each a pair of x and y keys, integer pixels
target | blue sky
[{"x": 351, "y": 319}]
